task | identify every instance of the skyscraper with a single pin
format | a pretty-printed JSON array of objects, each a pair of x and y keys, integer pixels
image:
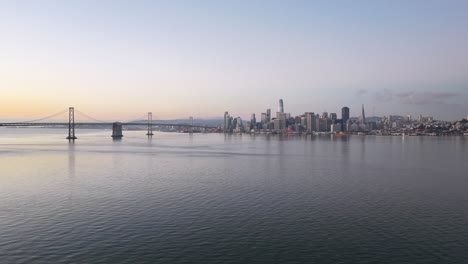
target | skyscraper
[
  {"x": 226, "y": 122},
  {"x": 310, "y": 117},
  {"x": 253, "y": 121},
  {"x": 344, "y": 118},
  {"x": 239, "y": 125},
  {"x": 233, "y": 124},
  {"x": 280, "y": 106},
  {"x": 263, "y": 118},
  {"x": 268, "y": 115},
  {"x": 345, "y": 114},
  {"x": 363, "y": 116},
  {"x": 280, "y": 121}
]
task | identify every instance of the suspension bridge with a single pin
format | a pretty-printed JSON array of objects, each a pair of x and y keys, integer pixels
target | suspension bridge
[{"x": 116, "y": 126}]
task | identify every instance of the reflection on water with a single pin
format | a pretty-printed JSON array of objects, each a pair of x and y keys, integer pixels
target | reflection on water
[
  {"x": 150, "y": 140},
  {"x": 71, "y": 158},
  {"x": 215, "y": 198}
]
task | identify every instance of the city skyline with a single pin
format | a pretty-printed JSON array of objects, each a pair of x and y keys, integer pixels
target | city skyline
[{"x": 178, "y": 59}]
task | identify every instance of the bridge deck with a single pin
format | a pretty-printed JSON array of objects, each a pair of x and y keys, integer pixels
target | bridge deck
[{"x": 100, "y": 124}]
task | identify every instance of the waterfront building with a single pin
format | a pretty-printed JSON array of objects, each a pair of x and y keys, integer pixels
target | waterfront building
[
  {"x": 271, "y": 125},
  {"x": 282, "y": 118},
  {"x": 280, "y": 121},
  {"x": 280, "y": 106},
  {"x": 239, "y": 126},
  {"x": 345, "y": 114},
  {"x": 276, "y": 124},
  {"x": 253, "y": 120},
  {"x": 263, "y": 118},
  {"x": 321, "y": 124},
  {"x": 297, "y": 120},
  {"x": 304, "y": 122},
  {"x": 310, "y": 121},
  {"x": 362, "y": 127},
  {"x": 372, "y": 125},
  {"x": 298, "y": 128},
  {"x": 233, "y": 124},
  {"x": 226, "y": 122},
  {"x": 409, "y": 118},
  {"x": 344, "y": 118},
  {"x": 334, "y": 128}
]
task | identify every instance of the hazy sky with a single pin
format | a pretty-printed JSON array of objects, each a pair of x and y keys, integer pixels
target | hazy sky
[{"x": 120, "y": 59}]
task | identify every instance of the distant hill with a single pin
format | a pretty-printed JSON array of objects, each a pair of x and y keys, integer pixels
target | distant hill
[
  {"x": 208, "y": 121},
  {"x": 373, "y": 118}
]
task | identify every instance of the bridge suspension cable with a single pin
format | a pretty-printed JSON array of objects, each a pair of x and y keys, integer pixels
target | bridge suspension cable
[
  {"x": 42, "y": 119},
  {"x": 90, "y": 117},
  {"x": 139, "y": 119}
]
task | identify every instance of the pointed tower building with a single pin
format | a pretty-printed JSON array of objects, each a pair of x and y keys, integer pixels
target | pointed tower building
[{"x": 363, "y": 116}]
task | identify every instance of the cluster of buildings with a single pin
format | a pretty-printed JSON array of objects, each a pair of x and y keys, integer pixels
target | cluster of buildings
[
  {"x": 422, "y": 126},
  {"x": 310, "y": 122}
]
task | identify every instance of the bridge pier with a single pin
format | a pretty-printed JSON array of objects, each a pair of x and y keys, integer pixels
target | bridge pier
[
  {"x": 117, "y": 130},
  {"x": 150, "y": 124},
  {"x": 71, "y": 124},
  {"x": 191, "y": 124}
]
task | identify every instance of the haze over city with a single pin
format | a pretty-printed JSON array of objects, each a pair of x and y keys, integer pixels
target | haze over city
[{"x": 120, "y": 59}]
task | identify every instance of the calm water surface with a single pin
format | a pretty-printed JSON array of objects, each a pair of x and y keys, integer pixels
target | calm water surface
[{"x": 214, "y": 198}]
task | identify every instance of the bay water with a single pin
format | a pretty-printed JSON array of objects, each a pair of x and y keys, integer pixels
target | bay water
[{"x": 216, "y": 198}]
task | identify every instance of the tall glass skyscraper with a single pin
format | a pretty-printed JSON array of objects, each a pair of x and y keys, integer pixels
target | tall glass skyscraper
[
  {"x": 344, "y": 118},
  {"x": 345, "y": 114},
  {"x": 280, "y": 106}
]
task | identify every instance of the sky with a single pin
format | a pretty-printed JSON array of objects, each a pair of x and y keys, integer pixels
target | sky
[{"x": 116, "y": 60}]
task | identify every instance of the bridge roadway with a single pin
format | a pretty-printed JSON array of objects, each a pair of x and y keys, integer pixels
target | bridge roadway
[{"x": 100, "y": 124}]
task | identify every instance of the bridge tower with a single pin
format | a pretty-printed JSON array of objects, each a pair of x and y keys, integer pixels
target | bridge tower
[
  {"x": 150, "y": 124},
  {"x": 191, "y": 124},
  {"x": 71, "y": 124}
]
